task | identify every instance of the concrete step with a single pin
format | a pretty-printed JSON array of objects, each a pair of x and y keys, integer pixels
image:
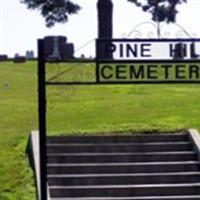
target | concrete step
[
  {"x": 107, "y": 168},
  {"x": 125, "y": 190},
  {"x": 123, "y": 167},
  {"x": 124, "y": 179},
  {"x": 131, "y": 138},
  {"x": 180, "y": 197},
  {"x": 121, "y": 157},
  {"x": 119, "y": 147}
]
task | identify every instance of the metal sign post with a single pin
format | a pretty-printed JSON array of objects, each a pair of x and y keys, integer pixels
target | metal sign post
[{"x": 42, "y": 119}]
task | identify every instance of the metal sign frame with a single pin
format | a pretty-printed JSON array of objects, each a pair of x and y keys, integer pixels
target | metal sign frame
[{"x": 42, "y": 98}]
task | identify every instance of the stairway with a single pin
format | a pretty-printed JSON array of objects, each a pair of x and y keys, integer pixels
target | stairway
[{"x": 131, "y": 167}]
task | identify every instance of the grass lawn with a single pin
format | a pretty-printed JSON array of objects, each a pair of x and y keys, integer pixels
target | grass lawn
[{"x": 80, "y": 109}]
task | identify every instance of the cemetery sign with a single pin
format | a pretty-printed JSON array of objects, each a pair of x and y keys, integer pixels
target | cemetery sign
[{"x": 148, "y": 60}]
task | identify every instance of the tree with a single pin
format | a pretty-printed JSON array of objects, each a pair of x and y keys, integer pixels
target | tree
[
  {"x": 53, "y": 10},
  {"x": 161, "y": 10}
]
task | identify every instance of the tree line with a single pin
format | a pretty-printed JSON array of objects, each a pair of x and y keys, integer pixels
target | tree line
[{"x": 58, "y": 11}]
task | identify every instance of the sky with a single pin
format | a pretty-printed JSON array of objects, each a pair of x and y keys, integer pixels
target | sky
[{"x": 20, "y": 28}]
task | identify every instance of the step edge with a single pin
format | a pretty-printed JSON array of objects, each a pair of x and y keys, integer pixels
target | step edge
[
  {"x": 182, "y": 185},
  {"x": 124, "y": 175},
  {"x": 124, "y": 164},
  {"x": 118, "y": 144},
  {"x": 124, "y": 153}
]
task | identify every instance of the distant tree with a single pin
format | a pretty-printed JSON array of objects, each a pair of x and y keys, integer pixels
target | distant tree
[
  {"x": 161, "y": 10},
  {"x": 54, "y": 11}
]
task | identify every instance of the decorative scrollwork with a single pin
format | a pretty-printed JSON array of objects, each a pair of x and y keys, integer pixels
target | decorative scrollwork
[
  {"x": 150, "y": 30},
  {"x": 151, "y": 34},
  {"x": 167, "y": 34},
  {"x": 136, "y": 34}
]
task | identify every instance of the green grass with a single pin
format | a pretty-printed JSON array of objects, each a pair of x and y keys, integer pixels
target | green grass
[
  {"x": 18, "y": 116},
  {"x": 80, "y": 109}
]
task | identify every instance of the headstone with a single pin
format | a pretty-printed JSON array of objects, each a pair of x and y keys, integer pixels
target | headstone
[
  {"x": 52, "y": 43},
  {"x": 19, "y": 59},
  {"x": 69, "y": 49},
  {"x": 3, "y": 58},
  {"x": 29, "y": 55},
  {"x": 57, "y": 48},
  {"x": 16, "y": 55}
]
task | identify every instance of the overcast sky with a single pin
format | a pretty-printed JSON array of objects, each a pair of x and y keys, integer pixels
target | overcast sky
[{"x": 20, "y": 28}]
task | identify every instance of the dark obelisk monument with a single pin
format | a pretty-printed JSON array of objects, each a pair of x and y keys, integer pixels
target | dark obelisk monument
[{"x": 105, "y": 24}]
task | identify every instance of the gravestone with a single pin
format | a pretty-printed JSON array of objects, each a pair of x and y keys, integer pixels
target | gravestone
[
  {"x": 57, "y": 48},
  {"x": 19, "y": 59},
  {"x": 29, "y": 55},
  {"x": 69, "y": 49},
  {"x": 3, "y": 58}
]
